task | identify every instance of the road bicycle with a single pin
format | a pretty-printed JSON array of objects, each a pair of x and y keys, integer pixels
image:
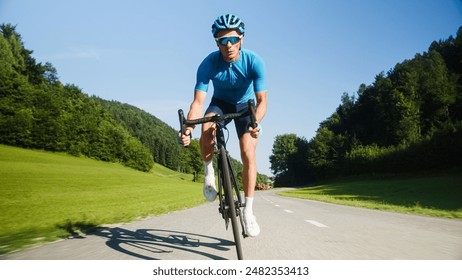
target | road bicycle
[{"x": 230, "y": 200}]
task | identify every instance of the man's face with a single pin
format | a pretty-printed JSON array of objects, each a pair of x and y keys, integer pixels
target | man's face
[{"x": 229, "y": 51}]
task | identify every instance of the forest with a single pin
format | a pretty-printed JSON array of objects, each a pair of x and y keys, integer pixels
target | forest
[{"x": 408, "y": 120}]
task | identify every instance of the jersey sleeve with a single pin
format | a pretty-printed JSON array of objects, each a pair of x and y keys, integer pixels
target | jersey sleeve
[
  {"x": 259, "y": 68},
  {"x": 203, "y": 75}
]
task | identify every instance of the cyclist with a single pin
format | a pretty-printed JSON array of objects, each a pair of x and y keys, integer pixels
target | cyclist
[{"x": 238, "y": 75}]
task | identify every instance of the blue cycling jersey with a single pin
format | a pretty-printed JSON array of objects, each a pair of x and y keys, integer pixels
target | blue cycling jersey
[{"x": 233, "y": 82}]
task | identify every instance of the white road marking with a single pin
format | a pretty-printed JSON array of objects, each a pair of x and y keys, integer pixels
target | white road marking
[
  {"x": 313, "y": 222},
  {"x": 288, "y": 211},
  {"x": 277, "y": 205}
]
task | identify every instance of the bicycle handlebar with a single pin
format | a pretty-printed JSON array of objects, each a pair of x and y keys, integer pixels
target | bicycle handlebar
[{"x": 218, "y": 118}]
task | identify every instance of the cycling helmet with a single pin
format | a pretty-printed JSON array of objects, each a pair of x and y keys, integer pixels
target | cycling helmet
[{"x": 228, "y": 21}]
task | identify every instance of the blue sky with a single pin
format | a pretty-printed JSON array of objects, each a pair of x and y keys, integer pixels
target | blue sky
[{"x": 146, "y": 53}]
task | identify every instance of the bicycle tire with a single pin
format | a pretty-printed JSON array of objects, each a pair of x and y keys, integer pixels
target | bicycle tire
[{"x": 229, "y": 197}]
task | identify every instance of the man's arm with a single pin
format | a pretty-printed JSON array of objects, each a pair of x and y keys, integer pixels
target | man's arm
[
  {"x": 195, "y": 111},
  {"x": 262, "y": 105},
  {"x": 260, "y": 111}
]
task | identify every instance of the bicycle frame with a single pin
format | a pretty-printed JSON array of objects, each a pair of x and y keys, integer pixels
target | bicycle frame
[
  {"x": 223, "y": 155},
  {"x": 229, "y": 205}
]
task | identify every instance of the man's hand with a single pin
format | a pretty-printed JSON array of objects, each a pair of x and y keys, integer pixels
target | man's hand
[
  {"x": 254, "y": 132},
  {"x": 186, "y": 137}
]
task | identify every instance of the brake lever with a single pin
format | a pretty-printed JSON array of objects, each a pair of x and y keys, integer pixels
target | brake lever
[
  {"x": 182, "y": 126},
  {"x": 253, "y": 118}
]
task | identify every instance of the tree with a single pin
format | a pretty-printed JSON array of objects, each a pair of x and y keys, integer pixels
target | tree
[
  {"x": 288, "y": 161},
  {"x": 438, "y": 92},
  {"x": 284, "y": 146}
]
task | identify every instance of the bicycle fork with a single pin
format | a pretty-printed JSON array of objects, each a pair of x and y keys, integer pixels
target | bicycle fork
[{"x": 224, "y": 208}]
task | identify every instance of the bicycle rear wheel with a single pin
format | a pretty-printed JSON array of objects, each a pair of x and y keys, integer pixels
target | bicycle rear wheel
[{"x": 230, "y": 200}]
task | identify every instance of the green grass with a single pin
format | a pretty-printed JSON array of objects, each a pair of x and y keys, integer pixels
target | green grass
[
  {"x": 45, "y": 196},
  {"x": 438, "y": 195}
]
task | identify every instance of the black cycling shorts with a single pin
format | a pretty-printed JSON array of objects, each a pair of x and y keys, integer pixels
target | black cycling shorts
[{"x": 221, "y": 107}]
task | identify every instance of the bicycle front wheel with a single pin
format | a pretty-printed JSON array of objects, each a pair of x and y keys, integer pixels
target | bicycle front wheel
[{"x": 230, "y": 200}]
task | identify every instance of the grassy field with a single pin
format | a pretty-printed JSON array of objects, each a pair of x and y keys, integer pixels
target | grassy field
[
  {"x": 438, "y": 195},
  {"x": 45, "y": 196}
]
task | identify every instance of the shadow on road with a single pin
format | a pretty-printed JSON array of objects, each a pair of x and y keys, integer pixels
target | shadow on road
[{"x": 152, "y": 244}]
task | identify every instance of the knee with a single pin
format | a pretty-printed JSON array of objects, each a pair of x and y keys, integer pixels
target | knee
[
  {"x": 247, "y": 153},
  {"x": 207, "y": 135}
]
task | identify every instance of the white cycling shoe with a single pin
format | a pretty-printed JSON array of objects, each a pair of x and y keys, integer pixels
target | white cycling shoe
[
  {"x": 210, "y": 190},
  {"x": 251, "y": 226}
]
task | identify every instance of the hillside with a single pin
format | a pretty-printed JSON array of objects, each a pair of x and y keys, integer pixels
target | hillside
[{"x": 156, "y": 135}]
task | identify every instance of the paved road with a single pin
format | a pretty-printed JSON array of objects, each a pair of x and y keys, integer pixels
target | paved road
[{"x": 291, "y": 229}]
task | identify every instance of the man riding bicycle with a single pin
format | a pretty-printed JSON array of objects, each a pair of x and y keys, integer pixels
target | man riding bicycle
[{"x": 238, "y": 75}]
